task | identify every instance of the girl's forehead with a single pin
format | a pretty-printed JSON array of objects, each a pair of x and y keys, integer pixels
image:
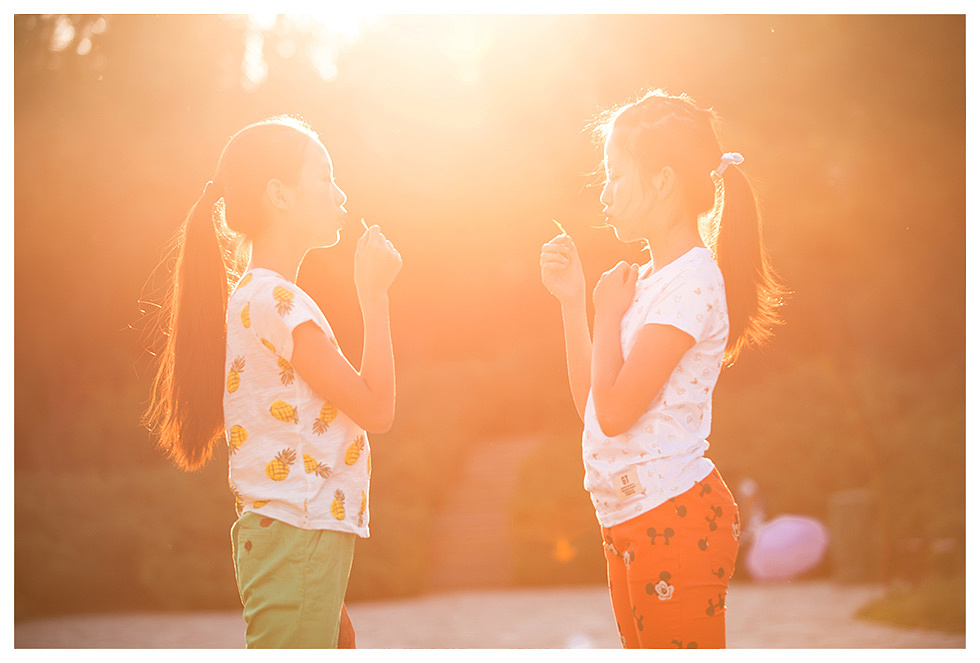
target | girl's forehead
[
  {"x": 612, "y": 151},
  {"x": 317, "y": 156}
]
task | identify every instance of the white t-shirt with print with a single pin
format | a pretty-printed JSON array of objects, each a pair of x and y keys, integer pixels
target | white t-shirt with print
[
  {"x": 662, "y": 455},
  {"x": 292, "y": 455}
]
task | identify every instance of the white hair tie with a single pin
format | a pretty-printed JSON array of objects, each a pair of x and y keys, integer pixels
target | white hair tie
[{"x": 728, "y": 158}]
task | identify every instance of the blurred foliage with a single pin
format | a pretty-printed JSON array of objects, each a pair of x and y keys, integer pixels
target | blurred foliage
[
  {"x": 556, "y": 538},
  {"x": 939, "y": 603},
  {"x": 463, "y": 136}
]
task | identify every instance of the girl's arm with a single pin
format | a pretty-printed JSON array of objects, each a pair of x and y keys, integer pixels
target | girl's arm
[
  {"x": 562, "y": 275},
  {"x": 622, "y": 390},
  {"x": 366, "y": 396},
  {"x": 578, "y": 353}
]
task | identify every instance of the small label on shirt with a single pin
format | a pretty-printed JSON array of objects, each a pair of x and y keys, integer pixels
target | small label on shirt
[{"x": 627, "y": 483}]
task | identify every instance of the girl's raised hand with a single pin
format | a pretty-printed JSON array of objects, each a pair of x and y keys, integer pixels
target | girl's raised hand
[
  {"x": 376, "y": 263},
  {"x": 614, "y": 292},
  {"x": 561, "y": 270}
]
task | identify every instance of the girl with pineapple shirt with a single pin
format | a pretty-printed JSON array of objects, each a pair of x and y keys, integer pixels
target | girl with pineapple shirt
[
  {"x": 643, "y": 384},
  {"x": 261, "y": 367}
]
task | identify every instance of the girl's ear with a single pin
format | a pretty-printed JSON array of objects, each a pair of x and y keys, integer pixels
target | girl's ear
[
  {"x": 664, "y": 182},
  {"x": 275, "y": 190}
]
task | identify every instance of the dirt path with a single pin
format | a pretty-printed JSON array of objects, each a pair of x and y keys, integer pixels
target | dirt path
[{"x": 804, "y": 615}]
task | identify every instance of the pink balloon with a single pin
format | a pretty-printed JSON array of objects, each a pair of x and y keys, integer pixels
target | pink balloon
[{"x": 786, "y": 547}]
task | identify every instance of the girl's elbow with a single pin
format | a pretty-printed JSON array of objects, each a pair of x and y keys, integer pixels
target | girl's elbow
[
  {"x": 613, "y": 424},
  {"x": 380, "y": 422},
  {"x": 379, "y": 427}
]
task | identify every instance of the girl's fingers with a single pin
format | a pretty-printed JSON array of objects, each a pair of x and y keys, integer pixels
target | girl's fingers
[
  {"x": 564, "y": 240},
  {"x": 617, "y": 270},
  {"x": 632, "y": 274},
  {"x": 556, "y": 248},
  {"x": 362, "y": 241},
  {"x": 555, "y": 255},
  {"x": 554, "y": 258},
  {"x": 554, "y": 266}
]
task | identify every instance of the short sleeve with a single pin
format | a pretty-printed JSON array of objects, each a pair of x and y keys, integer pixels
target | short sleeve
[
  {"x": 688, "y": 303},
  {"x": 276, "y": 310}
]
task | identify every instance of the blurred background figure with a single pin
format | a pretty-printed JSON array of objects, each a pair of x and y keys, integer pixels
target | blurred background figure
[{"x": 784, "y": 548}]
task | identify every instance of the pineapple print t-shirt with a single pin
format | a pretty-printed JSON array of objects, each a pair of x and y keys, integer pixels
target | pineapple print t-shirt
[
  {"x": 662, "y": 455},
  {"x": 292, "y": 455}
]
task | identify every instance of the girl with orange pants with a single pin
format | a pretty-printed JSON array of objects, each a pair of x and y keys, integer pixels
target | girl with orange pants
[{"x": 643, "y": 384}]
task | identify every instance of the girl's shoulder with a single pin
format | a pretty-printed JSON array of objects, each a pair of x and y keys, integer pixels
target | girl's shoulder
[
  {"x": 695, "y": 270},
  {"x": 700, "y": 269},
  {"x": 266, "y": 290},
  {"x": 259, "y": 282}
]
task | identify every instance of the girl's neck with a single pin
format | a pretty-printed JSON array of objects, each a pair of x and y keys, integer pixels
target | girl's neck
[
  {"x": 276, "y": 254},
  {"x": 672, "y": 243}
]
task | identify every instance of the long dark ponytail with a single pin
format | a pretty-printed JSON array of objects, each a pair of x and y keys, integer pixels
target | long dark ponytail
[
  {"x": 185, "y": 411},
  {"x": 753, "y": 289},
  {"x": 660, "y": 130}
]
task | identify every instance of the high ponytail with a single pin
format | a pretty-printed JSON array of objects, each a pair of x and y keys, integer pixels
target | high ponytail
[
  {"x": 752, "y": 287},
  {"x": 185, "y": 409}
]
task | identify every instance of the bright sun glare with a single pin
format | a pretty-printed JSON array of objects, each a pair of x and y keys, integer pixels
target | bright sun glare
[{"x": 331, "y": 31}]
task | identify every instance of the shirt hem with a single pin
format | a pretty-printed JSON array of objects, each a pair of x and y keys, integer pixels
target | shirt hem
[
  {"x": 611, "y": 520},
  {"x": 307, "y": 524}
]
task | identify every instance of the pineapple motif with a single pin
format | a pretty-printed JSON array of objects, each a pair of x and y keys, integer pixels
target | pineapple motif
[
  {"x": 268, "y": 344},
  {"x": 327, "y": 414},
  {"x": 286, "y": 373},
  {"x": 246, "y": 318},
  {"x": 278, "y": 467},
  {"x": 311, "y": 465},
  {"x": 337, "y": 506},
  {"x": 258, "y": 504},
  {"x": 360, "y": 514},
  {"x": 283, "y": 411},
  {"x": 236, "y": 437},
  {"x": 235, "y": 374},
  {"x": 284, "y": 299},
  {"x": 244, "y": 281},
  {"x": 354, "y": 450}
]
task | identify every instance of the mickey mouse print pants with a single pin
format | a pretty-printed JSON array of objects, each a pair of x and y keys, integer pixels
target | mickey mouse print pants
[{"x": 668, "y": 569}]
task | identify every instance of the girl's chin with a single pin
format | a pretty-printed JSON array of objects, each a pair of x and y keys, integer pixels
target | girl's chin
[
  {"x": 622, "y": 236},
  {"x": 327, "y": 243},
  {"x": 625, "y": 236}
]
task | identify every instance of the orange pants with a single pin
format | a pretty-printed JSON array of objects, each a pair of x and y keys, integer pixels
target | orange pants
[{"x": 668, "y": 569}]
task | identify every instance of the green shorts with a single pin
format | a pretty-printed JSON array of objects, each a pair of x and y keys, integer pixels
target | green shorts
[{"x": 291, "y": 581}]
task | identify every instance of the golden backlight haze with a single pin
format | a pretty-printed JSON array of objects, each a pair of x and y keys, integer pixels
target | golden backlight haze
[{"x": 466, "y": 139}]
